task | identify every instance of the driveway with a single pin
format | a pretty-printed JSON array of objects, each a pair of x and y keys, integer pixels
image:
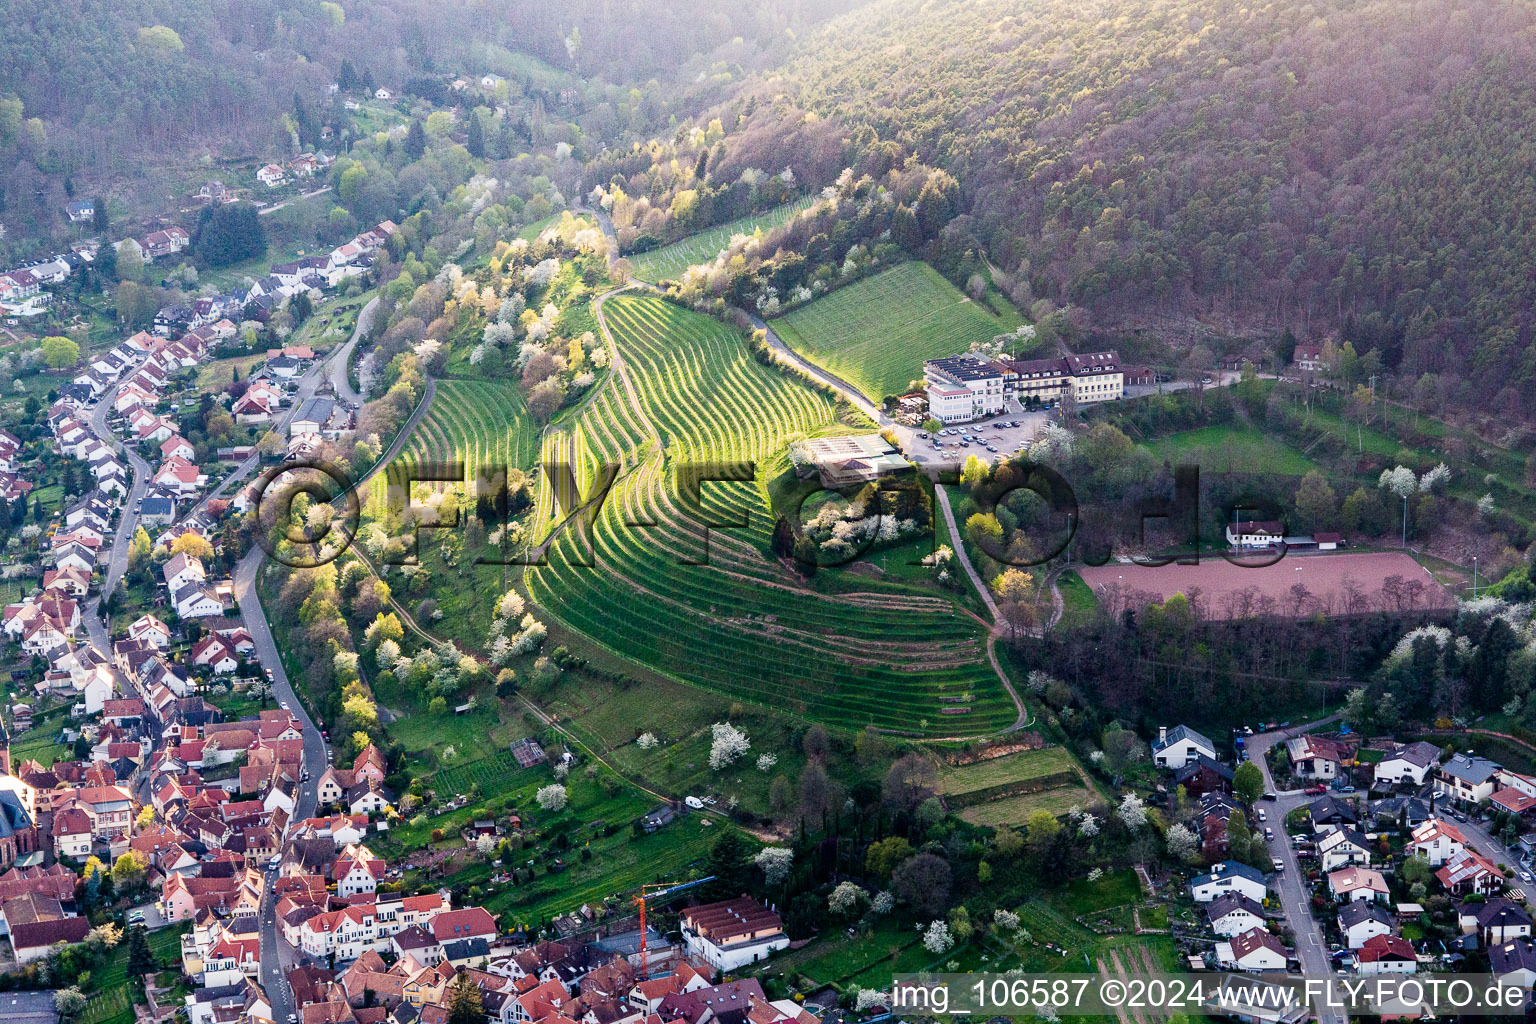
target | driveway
[{"x": 1295, "y": 898}]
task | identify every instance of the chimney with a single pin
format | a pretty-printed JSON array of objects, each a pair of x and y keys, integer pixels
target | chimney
[{"x": 1162, "y": 735}]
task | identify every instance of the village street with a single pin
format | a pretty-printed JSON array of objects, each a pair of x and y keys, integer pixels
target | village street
[{"x": 1290, "y": 884}]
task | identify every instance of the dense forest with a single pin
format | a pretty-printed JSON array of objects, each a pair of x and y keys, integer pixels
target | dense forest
[
  {"x": 1358, "y": 166},
  {"x": 90, "y": 90}
]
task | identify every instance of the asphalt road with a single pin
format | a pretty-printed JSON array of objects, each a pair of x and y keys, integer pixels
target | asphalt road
[
  {"x": 117, "y": 561},
  {"x": 275, "y": 954},
  {"x": 1295, "y": 899}
]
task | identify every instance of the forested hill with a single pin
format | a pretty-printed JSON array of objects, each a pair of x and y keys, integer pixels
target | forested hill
[
  {"x": 1362, "y": 164},
  {"x": 111, "y": 83}
]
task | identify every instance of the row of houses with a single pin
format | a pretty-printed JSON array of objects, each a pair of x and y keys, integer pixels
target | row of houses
[
  {"x": 21, "y": 284},
  {"x": 305, "y": 165},
  {"x": 402, "y": 954}
]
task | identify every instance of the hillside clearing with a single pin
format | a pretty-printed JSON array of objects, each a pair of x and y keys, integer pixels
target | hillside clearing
[{"x": 876, "y": 333}]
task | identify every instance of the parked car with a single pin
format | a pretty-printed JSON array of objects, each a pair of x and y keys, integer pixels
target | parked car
[
  {"x": 1279, "y": 864},
  {"x": 1317, "y": 790},
  {"x": 1261, "y": 814}
]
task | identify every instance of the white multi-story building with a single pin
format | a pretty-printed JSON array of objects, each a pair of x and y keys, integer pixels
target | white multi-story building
[
  {"x": 732, "y": 934},
  {"x": 964, "y": 388}
]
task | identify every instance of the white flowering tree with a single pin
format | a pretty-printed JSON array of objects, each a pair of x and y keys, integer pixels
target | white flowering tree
[
  {"x": 1182, "y": 843},
  {"x": 936, "y": 939},
  {"x": 868, "y": 999},
  {"x": 774, "y": 862},
  {"x": 845, "y": 899},
  {"x": 883, "y": 903},
  {"x": 765, "y": 762},
  {"x": 551, "y": 797},
  {"x": 727, "y": 744},
  {"x": 1402, "y": 482},
  {"x": 1132, "y": 812},
  {"x": 647, "y": 741}
]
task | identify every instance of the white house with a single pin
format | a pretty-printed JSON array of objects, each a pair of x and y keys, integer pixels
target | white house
[
  {"x": 1514, "y": 962},
  {"x": 96, "y": 688},
  {"x": 1437, "y": 840},
  {"x": 732, "y": 934},
  {"x": 1342, "y": 847},
  {"x": 1357, "y": 883},
  {"x": 1180, "y": 745},
  {"x": 1234, "y": 914},
  {"x": 271, "y": 175},
  {"x": 1253, "y": 950},
  {"x": 1467, "y": 778},
  {"x": 1409, "y": 764},
  {"x": 1361, "y": 920},
  {"x": 1255, "y": 534},
  {"x": 1229, "y": 877},
  {"x": 1387, "y": 954},
  {"x": 197, "y": 600}
]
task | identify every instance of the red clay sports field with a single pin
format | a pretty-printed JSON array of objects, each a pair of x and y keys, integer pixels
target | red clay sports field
[{"x": 1351, "y": 583}]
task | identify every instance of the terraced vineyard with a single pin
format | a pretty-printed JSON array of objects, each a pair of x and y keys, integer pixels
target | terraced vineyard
[
  {"x": 670, "y": 261},
  {"x": 481, "y": 423},
  {"x": 875, "y": 333},
  {"x": 888, "y": 656}
]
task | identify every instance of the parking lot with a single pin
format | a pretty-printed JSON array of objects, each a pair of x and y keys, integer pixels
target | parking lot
[{"x": 1007, "y": 434}]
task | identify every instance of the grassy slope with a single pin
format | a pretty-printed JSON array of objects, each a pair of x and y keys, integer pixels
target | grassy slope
[
  {"x": 875, "y": 333},
  {"x": 1232, "y": 450}
]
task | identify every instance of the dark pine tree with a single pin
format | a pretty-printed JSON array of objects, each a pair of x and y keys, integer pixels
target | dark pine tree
[
  {"x": 476, "y": 141},
  {"x": 416, "y": 141}
]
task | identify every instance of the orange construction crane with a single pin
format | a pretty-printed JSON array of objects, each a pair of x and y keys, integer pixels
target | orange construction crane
[{"x": 646, "y": 895}]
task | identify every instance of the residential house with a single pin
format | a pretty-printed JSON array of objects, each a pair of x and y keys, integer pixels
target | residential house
[
  {"x": 1362, "y": 920},
  {"x": 1203, "y": 775},
  {"x": 1408, "y": 765},
  {"x": 1234, "y": 914},
  {"x": 1357, "y": 883},
  {"x": 1387, "y": 954},
  {"x": 357, "y": 871},
  {"x": 1469, "y": 872},
  {"x": 1309, "y": 358},
  {"x": 1342, "y": 847},
  {"x": 1513, "y": 963},
  {"x": 1180, "y": 745},
  {"x": 1253, "y": 950},
  {"x": 1466, "y": 778},
  {"x": 1229, "y": 877},
  {"x": 34, "y": 941},
  {"x": 1318, "y": 757},
  {"x": 1437, "y": 840},
  {"x": 212, "y": 653},
  {"x": 1494, "y": 921},
  {"x": 151, "y": 630},
  {"x": 271, "y": 175}
]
